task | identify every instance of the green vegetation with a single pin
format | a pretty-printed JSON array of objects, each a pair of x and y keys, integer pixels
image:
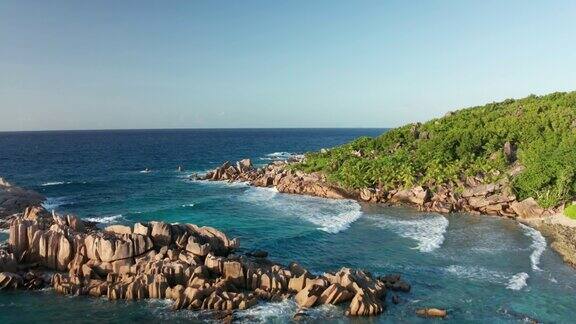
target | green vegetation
[
  {"x": 570, "y": 211},
  {"x": 465, "y": 143}
]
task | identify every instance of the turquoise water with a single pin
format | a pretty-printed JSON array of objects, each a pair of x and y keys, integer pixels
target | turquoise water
[{"x": 482, "y": 269}]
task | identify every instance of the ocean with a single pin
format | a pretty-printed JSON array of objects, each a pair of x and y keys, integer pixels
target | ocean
[{"x": 479, "y": 268}]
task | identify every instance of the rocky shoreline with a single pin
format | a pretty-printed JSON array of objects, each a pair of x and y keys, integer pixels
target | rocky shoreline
[
  {"x": 197, "y": 268},
  {"x": 472, "y": 195}
]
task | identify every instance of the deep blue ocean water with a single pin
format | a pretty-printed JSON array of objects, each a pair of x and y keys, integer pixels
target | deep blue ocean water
[{"x": 480, "y": 268}]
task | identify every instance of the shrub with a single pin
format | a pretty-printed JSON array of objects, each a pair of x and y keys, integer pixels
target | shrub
[{"x": 570, "y": 211}]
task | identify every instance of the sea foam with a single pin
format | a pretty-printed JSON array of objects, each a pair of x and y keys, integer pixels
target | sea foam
[
  {"x": 280, "y": 156},
  {"x": 538, "y": 245},
  {"x": 518, "y": 281},
  {"x": 55, "y": 183},
  {"x": 481, "y": 274},
  {"x": 104, "y": 219},
  {"x": 477, "y": 273},
  {"x": 428, "y": 231},
  {"x": 330, "y": 215},
  {"x": 268, "y": 312},
  {"x": 235, "y": 184},
  {"x": 51, "y": 203}
]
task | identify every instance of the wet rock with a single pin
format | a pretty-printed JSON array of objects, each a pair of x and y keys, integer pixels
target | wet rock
[
  {"x": 401, "y": 286},
  {"x": 14, "y": 199},
  {"x": 257, "y": 254},
  {"x": 300, "y": 315},
  {"x": 10, "y": 281},
  {"x": 8, "y": 262},
  {"x": 395, "y": 299},
  {"x": 431, "y": 312}
]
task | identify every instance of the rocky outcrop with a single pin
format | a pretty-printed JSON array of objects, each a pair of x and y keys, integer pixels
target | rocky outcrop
[
  {"x": 14, "y": 199},
  {"x": 195, "y": 267},
  {"x": 278, "y": 175},
  {"x": 473, "y": 195},
  {"x": 563, "y": 240}
]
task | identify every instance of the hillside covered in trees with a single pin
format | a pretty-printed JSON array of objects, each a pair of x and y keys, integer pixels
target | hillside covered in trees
[{"x": 530, "y": 143}]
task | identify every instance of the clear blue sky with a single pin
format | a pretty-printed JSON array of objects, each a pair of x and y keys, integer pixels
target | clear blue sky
[{"x": 186, "y": 64}]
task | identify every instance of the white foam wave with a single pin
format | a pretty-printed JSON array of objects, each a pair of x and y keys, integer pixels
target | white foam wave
[
  {"x": 427, "y": 230},
  {"x": 518, "y": 281},
  {"x": 189, "y": 205},
  {"x": 104, "y": 219},
  {"x": 477, "y": 273},
  {"x": 55, "y": 183},
  {"x": 481, "y": 274},
  {"x": 268, "y": 312},
  {"x": 538, "y": 245},
  {"x": 281, "y": 156},
  {"x": 51, "y": 203},
  {"x": 237, "y": 184},
  {"x": 330, "y": 215},
  {"x": 284, "y": 311}
]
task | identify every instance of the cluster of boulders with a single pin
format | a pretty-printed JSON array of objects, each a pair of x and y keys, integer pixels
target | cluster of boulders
[
  {"x": 198, "y": 268},
  {"x": 473, "y": 195},
  {"x": 277, "y": 174}
]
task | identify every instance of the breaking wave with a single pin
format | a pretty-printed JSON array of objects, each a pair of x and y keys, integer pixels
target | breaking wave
[
  {"x": 477, "y": 273},
  {"x": 330, "y": 215},
  {"x": 481, "y": 274},
  {"x": 518, "y": 281},
  {"x": 51, "y": 203},
  {"x": 280, "y": 156},
  {"x": 55, "y": 183},
  {"x": 268, "y": 312},
  {"x": 281, "y": 311},
  {"x": 104, "y": 219},
  {"x": 538, "y": 245},
  {"x": 427, "y": 231},
  {"x": 235, "y": 184}
]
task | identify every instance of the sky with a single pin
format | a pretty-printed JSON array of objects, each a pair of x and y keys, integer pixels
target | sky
[{"x": 264, "y": 64}]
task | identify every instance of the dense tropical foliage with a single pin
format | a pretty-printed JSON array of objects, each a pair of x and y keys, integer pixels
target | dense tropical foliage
[{"x": 465, "y": 143}]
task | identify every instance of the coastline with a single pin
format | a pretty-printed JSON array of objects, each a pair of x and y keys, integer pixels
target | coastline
[
  {"x": 474, "y": 197},
  {"x": 320, "y": 189},
  {"x": 195, "y": 268}
]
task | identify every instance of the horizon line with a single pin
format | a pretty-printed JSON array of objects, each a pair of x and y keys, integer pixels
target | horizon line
[{"x": 180, "y": 128}]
